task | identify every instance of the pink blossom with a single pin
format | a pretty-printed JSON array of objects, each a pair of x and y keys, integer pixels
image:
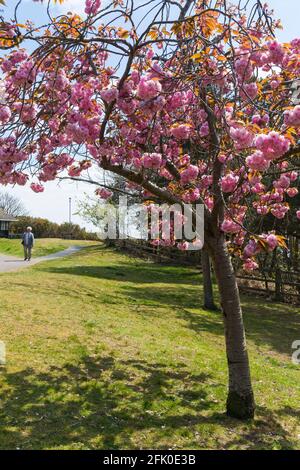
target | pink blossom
[
  {"x": 243, "y": 68},
  {"x": 185, "y": 159},
  {"x": 260, "y": 121},
  {"x": 283, "y": 182},
  {"x": 109, "y": 95},
  {"x": 165, "y": 174},
  {"x": 183, "y": 246},
  {"x": 251, "y": 249},
  {"x": 61, "y": 81},
  {"x": 276, "y": 52},
  {"x": 181, "y": 132},
  {"x": 249, "y": 90},
  {"x": 5, "y": 114},
  {"x": 229, "y": 182},
  {"x": 258, "y": 188},
  {"x": 206, "y": 180},
  {"x": 151, "y": 160},
  {"x": 189, "y": 174},
  {"x": 250, "y": 265},
  {"x": 197, "y": 244},
  {"x": 104, "y": 193},
  {"x": 209, "y": 202},
  {"x": 229, "y": 226},
  {"x": 279, "y": 210},
  {"x": 148, "y": 89},
  {"x": 92, "y": 6},
  {"x": 242, "y": 137},
  {"x": 127, "y": 106},
  {"x": 19, "y": 56},
  {"x": 298, "y": 214},
  {"x": 28, "y": 112},
  {"x": 292, "y": 117},
  {"x": 26, "y": 73},
  {"x": 178, "y": 100},
  {"x": 202, "y": 115},
  {"x": 295, "y": 43},
  {"x": 54, "y": 124},
  {"x": 20, "y": 178},
  {"x": 257, "y": 161},
  {"x": 150, "y": 54},
  {"x": 74, "y": 170},
  {"x": 262, "y": 210},
  {"x": 37, "y": 188},
  {"x": 204, "y": 129},
  {"x": 272, "y": 145},
  {"x": 191, "y": 195},
  {"x": 135, "y": 77},
  {"x": 272, "y": 241},
  {"x": 292, "y": 192},
  {"x": 15, "y": 58},
  {"x": 293, "y": 175}
]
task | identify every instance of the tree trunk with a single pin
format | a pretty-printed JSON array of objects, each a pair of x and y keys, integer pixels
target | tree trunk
[
  {"x": 207, "y": 283},
  {"x": 240, "y": 401}
]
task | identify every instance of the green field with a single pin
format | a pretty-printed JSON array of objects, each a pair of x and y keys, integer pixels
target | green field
[
  {"x": 42, "y": 246},
  {"x": 106, "y": 351}
]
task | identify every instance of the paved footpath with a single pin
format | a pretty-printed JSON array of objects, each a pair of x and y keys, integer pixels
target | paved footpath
[{"x": 12, "y": 263}]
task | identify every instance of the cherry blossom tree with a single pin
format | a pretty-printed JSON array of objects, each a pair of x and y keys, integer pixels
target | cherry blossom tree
[{"x": 190, "y": 101}]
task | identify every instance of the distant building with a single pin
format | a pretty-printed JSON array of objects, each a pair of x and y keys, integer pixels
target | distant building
[{"x": 5, "y": 221}]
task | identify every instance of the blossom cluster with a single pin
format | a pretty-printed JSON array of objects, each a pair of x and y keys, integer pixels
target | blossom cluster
[
  {"x": 220, "y": 136},
  {"x": 92, "y": 6},
  {"x": 292, "y": 117}
]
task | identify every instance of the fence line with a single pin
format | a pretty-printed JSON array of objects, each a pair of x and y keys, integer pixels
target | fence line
[{"x": 281, "y": 287}]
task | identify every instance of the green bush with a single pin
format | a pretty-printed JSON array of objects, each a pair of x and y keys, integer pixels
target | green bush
[{"x": 44, "y": 228}]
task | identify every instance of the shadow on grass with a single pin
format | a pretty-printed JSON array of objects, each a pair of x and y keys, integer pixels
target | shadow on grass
[
  {"x": 139, "y": 272},
  {"x": 274, "y": 326},
  {"x": 109, "y": 404},
  {"x": 99, "y": 398},
  {"x": 266, "y": 434},
  {"x": 268, "y": 325}
]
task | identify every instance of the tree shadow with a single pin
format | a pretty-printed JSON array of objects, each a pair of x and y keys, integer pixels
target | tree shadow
[
  {"x": 265, "y": 321},
  {"x": 99, "y": 398},
  {"x": 105, "y": 403},
  {"x": 139, "y": 273},
  {"x": 271, "y": 325},
  {"x": 266, "y": 433}
]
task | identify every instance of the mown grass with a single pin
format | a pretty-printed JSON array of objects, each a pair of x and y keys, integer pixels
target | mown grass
[
  {"x": 42, "y": 246},
  {"x": 106, "y": 351}
]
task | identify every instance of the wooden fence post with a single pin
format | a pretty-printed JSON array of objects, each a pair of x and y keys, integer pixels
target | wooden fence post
[{"x": 278, "y": 285}]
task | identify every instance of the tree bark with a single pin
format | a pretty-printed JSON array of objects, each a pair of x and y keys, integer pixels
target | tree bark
[
  {"x": 240, "y": 400},
  {"x": 207, "y": 283}
]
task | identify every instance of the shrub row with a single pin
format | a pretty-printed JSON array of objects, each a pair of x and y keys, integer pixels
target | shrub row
[{"x": 44, "y": 228}]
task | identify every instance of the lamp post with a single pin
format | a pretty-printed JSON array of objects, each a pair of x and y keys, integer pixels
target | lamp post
[{"x": 70, "y": 210}]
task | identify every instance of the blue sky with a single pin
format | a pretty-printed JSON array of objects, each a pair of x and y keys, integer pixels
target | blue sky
[{"x": 53, "y": 203}]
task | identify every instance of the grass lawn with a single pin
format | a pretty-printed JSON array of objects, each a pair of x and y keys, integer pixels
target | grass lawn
[
  {"x": 106, "y": 351},
  {"x": 42, "y": 246}
]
